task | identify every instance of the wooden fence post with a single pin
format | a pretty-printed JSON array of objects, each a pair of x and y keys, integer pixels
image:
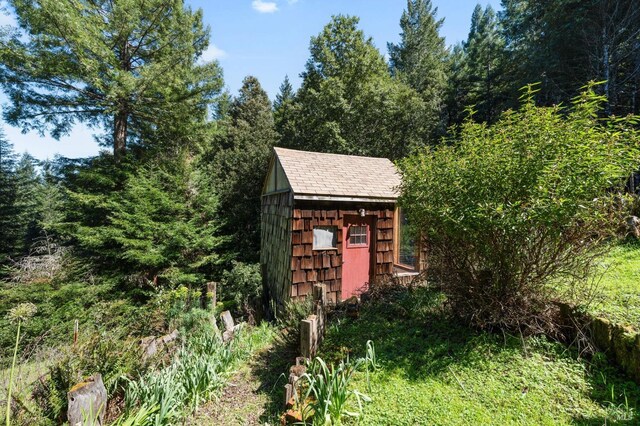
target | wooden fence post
[
  {"x": 229, "y": 326},
  {"x": 309, "y": 336},
  {"x": 320, "y": 301},
  {"x": 305, "y": 338},
  {"x": 75, "y": 333},
  {"x": 210, "y": 296}
]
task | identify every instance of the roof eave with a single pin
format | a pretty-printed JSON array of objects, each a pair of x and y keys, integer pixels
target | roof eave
[{"x": 344, "y": 198}]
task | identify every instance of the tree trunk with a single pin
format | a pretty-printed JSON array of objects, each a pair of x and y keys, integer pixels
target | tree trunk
[
  {"x": 606, "y": 65},
  {"x": 120, "y": 133},
  {"x": 122, "y": 113}
]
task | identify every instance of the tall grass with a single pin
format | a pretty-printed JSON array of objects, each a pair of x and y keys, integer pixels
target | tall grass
[
  {"x": 19, "y": 315},
  {"x": 329, "y": 391},
  {"x": 198, "y": 372}
]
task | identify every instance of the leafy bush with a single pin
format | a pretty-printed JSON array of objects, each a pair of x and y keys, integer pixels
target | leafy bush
[
  {"x": 242, "y": 283},
  {"x": 507, "y": 209},
  {"x": 59, "y": 305},
  {"x": 288, "y": 318}
]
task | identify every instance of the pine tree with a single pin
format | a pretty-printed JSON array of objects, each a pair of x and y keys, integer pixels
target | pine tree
[
  {"x": 8, "y": 229},
  {"x": 27, "y": 211},
  {"x": 50, "y": 198},
  {"x": 563, "y": 44},
  {"x": 483, "y": 61},
  {"x": 457, "y": 90},
  {"x": 349, "y": 103},
  {"x": 241, "y": 166},
  {"x": 420, "y": 59},
  {"x": 161, "y": 228},
  {"x": 284, "y": 111},
  {"x": 124, "y": 65}
]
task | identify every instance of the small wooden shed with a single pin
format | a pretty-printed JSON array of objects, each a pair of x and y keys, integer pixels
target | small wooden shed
[{"x": 332, "y": 219}]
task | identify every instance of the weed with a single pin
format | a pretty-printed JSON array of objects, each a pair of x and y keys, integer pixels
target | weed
[{"x": 19, "y": 315}]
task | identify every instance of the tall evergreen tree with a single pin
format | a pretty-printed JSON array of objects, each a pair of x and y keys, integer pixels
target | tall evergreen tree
[
  {"x": 285, "y": 95},
  {"x": 8, "y": 229},
  {"x": 27, "y": 217},
  {"x": 420, "y": 58},
  {"x": 127, "y": 66},
  {"x": 543, "y": 44},
  {"x": 241, "y": 166},
  {"x": 563, "y": 44},
  {"x": 50, "y": 198},
  {"x": 478, "y": 76},
  {"x": 284, "y": 110},
  {"x": 349, "y": 103},
  {"x": 159, "y": 230}
]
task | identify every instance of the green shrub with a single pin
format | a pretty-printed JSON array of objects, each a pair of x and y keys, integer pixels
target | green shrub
[
  {"x": 288, "y": 318},
  {"x": 243, "y": 283},
  {"x": 59, "y": 305},
  {"x": 508, "y": 208}
]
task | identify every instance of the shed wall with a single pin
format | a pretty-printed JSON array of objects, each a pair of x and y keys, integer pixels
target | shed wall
[
  {"x": 275, "y": 250},
  {"x": 310, "y": 266}
]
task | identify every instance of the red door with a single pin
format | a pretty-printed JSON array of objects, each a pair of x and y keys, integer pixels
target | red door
[{"x": 356, "y": 255}]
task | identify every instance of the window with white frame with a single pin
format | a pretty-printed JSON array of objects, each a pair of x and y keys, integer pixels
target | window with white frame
[{"x": 325, "y": 237}]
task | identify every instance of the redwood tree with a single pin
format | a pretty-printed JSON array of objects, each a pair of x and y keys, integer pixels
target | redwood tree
[{"x": 128, "y": 66}]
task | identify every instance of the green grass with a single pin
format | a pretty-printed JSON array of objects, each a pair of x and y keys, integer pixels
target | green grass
[
  {"x": 618, "y": 293},
  {"x": 435, "y": 371}
]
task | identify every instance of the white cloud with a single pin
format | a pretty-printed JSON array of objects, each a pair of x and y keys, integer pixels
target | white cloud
[
  {"x": 213, "y": 52},
  {"x": 264, "y": 6}
]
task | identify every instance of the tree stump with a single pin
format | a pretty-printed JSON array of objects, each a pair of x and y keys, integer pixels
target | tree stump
[{"x": 87, "y": 402}]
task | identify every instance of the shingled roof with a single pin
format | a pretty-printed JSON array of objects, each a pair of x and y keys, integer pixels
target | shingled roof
[{"x": 320, "y": 175}]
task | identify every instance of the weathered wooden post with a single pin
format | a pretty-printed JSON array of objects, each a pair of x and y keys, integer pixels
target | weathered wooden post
[
  {"x": 319, "y": 302},
  {"x": 210, "y": 296},
  {"x": 87, "y": 402},
  {"x": 75, "y": 333},
  {"x": 320, "y": 294},
  {"x": 291, "y": 389},
  {"x": 309, "y": 336}
]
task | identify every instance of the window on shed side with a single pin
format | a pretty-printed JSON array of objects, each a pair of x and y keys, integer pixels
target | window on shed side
[
  {"x": 325, "y": 237},
  {"x": 406, "y": 247}
]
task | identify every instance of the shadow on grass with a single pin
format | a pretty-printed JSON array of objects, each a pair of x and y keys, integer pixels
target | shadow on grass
[
  {"x": 415, "y": 337},
  {"x": 273, "y": 373},
  {"x": 410, "y": 332}
]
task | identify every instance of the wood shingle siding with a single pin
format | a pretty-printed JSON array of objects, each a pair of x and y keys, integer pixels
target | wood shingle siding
[
  {"x": 275, "y": 257},
  {"x": 325, "y": 266}
]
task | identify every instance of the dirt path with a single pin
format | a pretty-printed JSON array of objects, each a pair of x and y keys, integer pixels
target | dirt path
[{"x": 255, "y": 394}]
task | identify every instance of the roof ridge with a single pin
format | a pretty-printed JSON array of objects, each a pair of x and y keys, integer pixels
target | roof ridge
[{"x": 331, "y": 153}]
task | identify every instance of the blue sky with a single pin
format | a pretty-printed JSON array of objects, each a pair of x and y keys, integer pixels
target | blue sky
[{"x": 268, "y": 39}]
